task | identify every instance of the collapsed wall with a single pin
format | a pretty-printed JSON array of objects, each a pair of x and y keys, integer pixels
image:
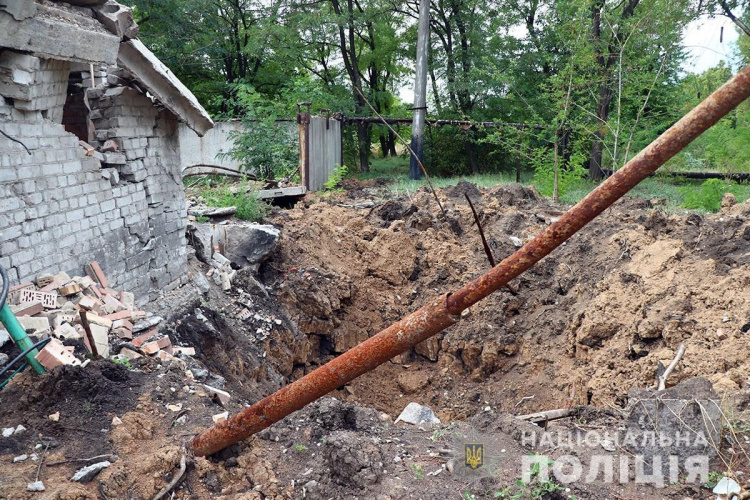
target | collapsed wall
[
  {"x": 62, "y": 209},
  {"x": 89, "y": 163}
]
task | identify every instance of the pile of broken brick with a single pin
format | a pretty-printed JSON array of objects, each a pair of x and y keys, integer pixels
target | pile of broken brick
[{"x": 86, "y": 309}]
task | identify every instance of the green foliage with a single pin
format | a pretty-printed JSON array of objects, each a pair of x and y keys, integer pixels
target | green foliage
[
  {"x": 417, "y": 470},
  {"x": 337, "y": 175},
  {"x": 299, "y": 447},
  {"x": 254, "y": 60},
  {"x": 122, "y": 362},
  {"x": 708, "y": 197},
  {"x": 268, "y": 143},
  {"x": 249, "y": 207},
  {"x": 713, "y": 479},
  {"x": 544, "y": 171},
  {"x": 535, "y": 489}
]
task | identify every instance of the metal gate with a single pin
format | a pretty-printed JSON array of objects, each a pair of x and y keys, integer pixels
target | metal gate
[{"x": 320, "y": 147}]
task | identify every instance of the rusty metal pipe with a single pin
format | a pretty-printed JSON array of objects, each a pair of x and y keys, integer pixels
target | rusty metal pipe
[{"x": 445, "y": 311}]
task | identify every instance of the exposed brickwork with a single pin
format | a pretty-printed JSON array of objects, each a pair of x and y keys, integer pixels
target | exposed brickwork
[{"x": 60, "y": 209}]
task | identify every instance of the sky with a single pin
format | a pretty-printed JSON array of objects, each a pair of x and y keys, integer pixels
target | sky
[{"x": 702, "y": 39}]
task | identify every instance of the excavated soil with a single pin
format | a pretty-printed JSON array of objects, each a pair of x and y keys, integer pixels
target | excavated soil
[{"x": 585, "y": 326}]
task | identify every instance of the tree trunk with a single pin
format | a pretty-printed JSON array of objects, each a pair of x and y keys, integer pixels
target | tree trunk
[
  {"x": 363, "y": 144},
  {"x": 471, "y": 155},
  {"x": 383, "y": 145},
  {"x": 597, "y": 145},
  {"x": 392, "y": 144}
]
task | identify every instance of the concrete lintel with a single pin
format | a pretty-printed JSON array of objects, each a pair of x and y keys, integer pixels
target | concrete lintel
[
  {"x": 59, "y": 34},
  {"x": 135, "y": 58}
]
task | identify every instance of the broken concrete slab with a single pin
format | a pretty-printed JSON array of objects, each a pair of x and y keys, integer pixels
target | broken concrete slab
[
  {"x": 200, "y": 237},
  {"x": 58, "y": 33},
  {"x": 241, "y": 244},
  {"x": 163, "y": 85},
  {"x": 118, "y": 19},
  {"x": 249, "y": 244}
]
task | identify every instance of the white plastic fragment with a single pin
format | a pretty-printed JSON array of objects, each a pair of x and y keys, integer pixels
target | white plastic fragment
[{"x": 726, "y": 488}]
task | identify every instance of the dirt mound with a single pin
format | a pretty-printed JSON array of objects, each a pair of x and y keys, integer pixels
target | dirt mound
[
  {"x": 85, "y": 397},
  {"x": 633, "y": 285}
]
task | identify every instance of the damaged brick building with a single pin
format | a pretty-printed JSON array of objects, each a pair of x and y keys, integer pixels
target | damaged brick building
[{"x": 89, "y": 151}]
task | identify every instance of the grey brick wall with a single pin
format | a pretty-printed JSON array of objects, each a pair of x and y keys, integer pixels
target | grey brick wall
[{"x": 60, "y": 209}]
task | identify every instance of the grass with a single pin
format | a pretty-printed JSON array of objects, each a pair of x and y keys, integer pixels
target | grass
[
  {"x": 675, "y": 191},
  {"x": 242, "y": 194}
]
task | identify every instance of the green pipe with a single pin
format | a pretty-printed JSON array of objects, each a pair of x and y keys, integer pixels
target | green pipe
[{"x": 18, "y": 334}]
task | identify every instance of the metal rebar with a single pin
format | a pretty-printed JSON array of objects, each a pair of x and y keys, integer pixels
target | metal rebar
[
  {"x": 443, "y": 312},
  {"x": 487, "y": 249}
]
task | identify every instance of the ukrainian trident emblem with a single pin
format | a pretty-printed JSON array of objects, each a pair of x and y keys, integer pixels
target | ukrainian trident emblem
[{"x": 474, "y": 455}]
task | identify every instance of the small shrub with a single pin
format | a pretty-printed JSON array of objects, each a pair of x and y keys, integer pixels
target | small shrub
[
  {"x": 568, "y": 177},
  {"x": 122, "y": 362},
  {"x": 707, "y": 197},
  {"x": 249, "y": 207},
  {"x": 337, "y": 175}
]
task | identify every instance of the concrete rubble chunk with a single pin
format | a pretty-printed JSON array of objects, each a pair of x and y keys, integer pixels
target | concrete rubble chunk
[
  {"x": 213, "y": 212},
  {"x": 147, "y": 323},
  {"x": 62, "y": 34},
  {"x": 4, "y": 359},
  {"x": 118, "y": 19},
  {"x": 135, "y": 58},
  {"x": 19, "y": 9},
  {"x": 200, "y": 237},
  {"x": 35, "y": 486},
  {"x": 86, "y": 3},
  {"x": 222, "y": 396},
  {"x": 416, "y": 414},
  {"x": 200, "y": 282},
  {"x": 4, "y": 337},
  {"x": 247, "y": 244},
  {"x": 86, "y": 474}
]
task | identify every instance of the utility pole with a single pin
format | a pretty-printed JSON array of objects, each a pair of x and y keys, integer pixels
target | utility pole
[{"x": 420, "y": 90}]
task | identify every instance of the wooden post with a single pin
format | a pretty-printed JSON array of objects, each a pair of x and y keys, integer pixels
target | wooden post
[{"x": 420, "y": 90}]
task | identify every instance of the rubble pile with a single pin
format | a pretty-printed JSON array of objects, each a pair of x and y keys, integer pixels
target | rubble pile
[{"x": 76, "y": 312}]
